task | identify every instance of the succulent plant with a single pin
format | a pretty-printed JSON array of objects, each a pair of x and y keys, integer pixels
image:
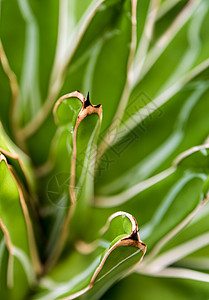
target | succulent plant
[{"x": 103, "y": 142}]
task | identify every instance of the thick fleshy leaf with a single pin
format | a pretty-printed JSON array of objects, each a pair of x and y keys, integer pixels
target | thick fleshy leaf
[
  {"x": 155, "y": 87},
  {"x": 69, "y": 171},
  {"x": 147, "y": 63},
  {"x": 18, "y": 244},
  {"x": 163, "y": 223},
  {"x": 143, "y": 96},
  {"x": 158, "y": 288},
  {"x": 88, "y": 275},
  {"x": 105, "y": 25},
  {"x": 147, "y": 150}
]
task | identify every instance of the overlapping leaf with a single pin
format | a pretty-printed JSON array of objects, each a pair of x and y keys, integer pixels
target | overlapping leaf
[
  {"x": 147, "y": 63},
  {"x": 19, "y": 258},
  {"x": 175, "y": 223},
  {"x": 74, "y": 65}
]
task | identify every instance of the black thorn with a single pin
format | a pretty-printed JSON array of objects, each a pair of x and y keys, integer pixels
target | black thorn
[
  {"x": 87, "y": 97},
  {"x": 134, "y": 235},
  {"x": 87, "y": 102}
]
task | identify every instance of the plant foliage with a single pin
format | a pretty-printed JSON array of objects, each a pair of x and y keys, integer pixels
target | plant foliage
[{"x": 78, "y": 172}]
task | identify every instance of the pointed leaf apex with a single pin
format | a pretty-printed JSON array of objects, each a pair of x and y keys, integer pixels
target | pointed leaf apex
[{"x": 87, "y": 97}]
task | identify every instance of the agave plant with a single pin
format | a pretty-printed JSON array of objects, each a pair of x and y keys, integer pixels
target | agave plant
[{"x": 104, "y": 124}]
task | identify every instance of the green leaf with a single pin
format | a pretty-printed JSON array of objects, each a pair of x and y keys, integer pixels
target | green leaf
[
  {"x": 184, "y": 122},
  {"x": 116, "y": 251},
  {"x": 106, "y": 26},
  {"x": 158, "y": 288},
  {"x": 147, "y": 63},
  {"x": 18, "y": 159},
  {"x": 19, "y": 251},
  {"x": 195, "y": 159},
  {"x": 180, "y": 196},
  {"x": 69, "y": 172}
]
